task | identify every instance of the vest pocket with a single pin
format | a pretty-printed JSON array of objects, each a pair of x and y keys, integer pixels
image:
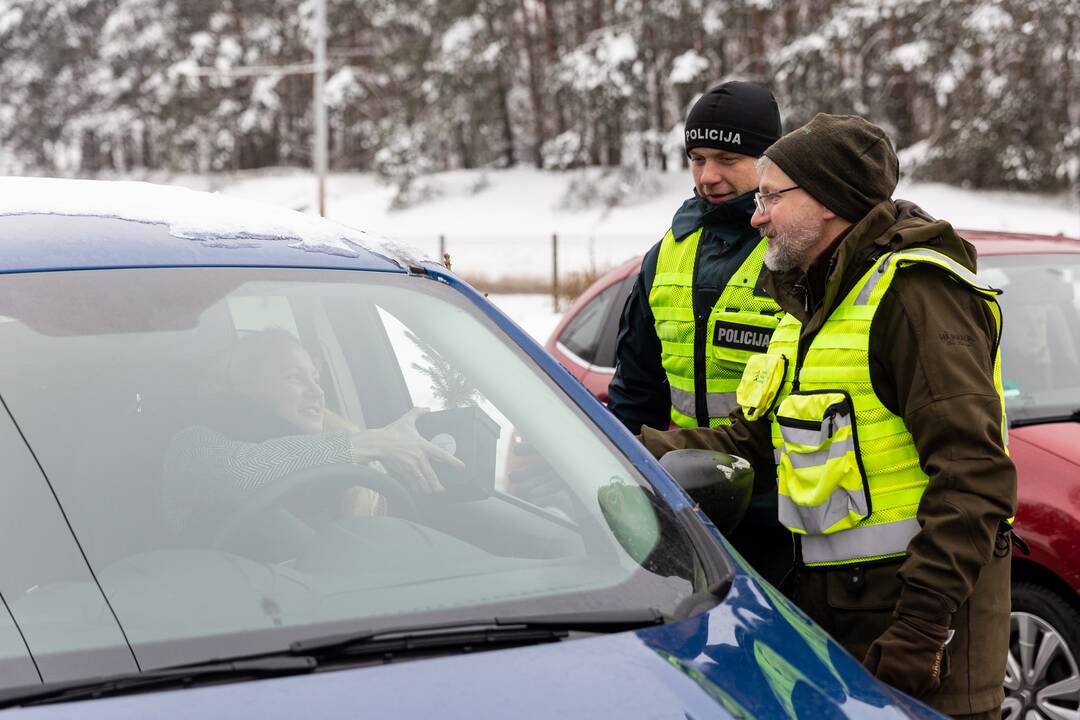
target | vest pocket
[
  {"x": 821, "y": 482},
  {"x": 761, "y": 381}
]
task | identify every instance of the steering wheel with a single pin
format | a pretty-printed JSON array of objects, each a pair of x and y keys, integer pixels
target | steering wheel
[{"x": 323, "y": 479}]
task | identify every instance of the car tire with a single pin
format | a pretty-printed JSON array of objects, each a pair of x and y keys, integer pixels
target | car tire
[{"x": 1043, "y": 681}]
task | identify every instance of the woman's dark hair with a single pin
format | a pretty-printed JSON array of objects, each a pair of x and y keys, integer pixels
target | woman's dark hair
[{"x": 252, "y": 350}]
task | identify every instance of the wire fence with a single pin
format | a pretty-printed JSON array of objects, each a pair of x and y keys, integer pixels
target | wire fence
[{"x": 562, "y": 264}]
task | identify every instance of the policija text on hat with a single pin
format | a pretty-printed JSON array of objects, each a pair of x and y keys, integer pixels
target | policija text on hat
[{"x": 878, "y": 411}]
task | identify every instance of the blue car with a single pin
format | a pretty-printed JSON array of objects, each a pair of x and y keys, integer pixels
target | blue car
[{"x": 257, "y": 464}]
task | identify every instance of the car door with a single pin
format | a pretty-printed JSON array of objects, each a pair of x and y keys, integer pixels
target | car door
[{"x": 588, "y": 341}]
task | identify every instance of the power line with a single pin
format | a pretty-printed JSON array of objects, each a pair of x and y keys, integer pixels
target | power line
[{"x": 253, "y": 70}]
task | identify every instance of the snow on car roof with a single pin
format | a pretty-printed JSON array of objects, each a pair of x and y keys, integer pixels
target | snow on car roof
[{"x": 208, "y": 218}]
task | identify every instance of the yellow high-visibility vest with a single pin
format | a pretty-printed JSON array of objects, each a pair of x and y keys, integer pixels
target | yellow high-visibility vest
[
  {"x": 740, "y": 325},
  {"x": 848, "y": 471}
]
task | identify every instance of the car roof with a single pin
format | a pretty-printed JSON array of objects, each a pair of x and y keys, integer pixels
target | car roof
[
  {"x": 986, "y": 242},
  {"x": 59, "y": 224},
  {"x": 989, "y": 242}
]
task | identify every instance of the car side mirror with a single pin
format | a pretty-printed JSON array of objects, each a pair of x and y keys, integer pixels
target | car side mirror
[{"x": 721, "y": 484}]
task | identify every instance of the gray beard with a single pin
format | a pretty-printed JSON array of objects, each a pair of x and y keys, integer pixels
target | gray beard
[{"x": 789, "y": 250}]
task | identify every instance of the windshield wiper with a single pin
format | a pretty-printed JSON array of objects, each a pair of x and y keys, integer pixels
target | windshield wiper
[
  {"x": 173, "y": 677},
  {"x": 307, "y": 655},
  {"x": 515, "y": 629}
]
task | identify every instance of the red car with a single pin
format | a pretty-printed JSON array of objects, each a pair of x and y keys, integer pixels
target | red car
[{"x": 1041, "y": 373}]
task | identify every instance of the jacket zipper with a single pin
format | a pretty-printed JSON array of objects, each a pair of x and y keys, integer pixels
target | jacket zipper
[
  {"x": 701, "y": 404},
  {"x": 798, "y": 423}
]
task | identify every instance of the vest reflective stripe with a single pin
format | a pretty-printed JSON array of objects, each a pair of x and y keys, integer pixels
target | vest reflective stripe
[
  {"x": 866, "y": 542},
  {"x": 671, "y": 301},
  {"x": 907, "y": 257},
  {"x": 816, "y": 519},
  {"x": 683, "y": 401},
  {"x": 820, "y": 457},
  {"x": 871, "y": 284},
  {"x": 819, "y": 499},
  {"x": 719, "y": 404}
]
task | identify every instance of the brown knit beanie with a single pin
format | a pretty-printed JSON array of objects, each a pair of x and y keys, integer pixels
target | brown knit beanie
[{"x": 846, "y": 163}]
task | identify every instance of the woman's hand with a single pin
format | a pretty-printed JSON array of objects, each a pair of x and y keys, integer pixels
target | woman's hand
[
  {"x": 359, "y": 501},
  {"x": 404, "y": 452}
]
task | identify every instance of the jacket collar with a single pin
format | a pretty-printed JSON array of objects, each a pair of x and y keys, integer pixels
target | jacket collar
[{"x": 728, "y": 218}]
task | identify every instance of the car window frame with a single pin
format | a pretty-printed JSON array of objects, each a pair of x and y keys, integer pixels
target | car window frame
[
  {"x": 26, "y": 477},
  {"x": 610, "y": 333},
  {"x": 605, "y": 339}
]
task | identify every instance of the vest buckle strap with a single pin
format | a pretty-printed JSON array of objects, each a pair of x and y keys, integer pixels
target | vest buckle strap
[{"x": 864, "y": 542}]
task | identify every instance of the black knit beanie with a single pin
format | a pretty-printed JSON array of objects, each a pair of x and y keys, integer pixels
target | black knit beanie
[
  {"x": 846, "y": 163},
  {"x": 740, "y": 117}
]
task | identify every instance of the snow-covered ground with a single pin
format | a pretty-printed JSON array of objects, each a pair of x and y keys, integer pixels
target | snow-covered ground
[
  {"x": 534, "y": 313},
  {"x": 500, "y": 222}
]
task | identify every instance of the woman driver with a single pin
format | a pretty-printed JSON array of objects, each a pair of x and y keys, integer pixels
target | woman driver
[{"x": 271, "y": 421}]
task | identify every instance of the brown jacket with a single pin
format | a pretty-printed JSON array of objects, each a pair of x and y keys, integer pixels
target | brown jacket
[{"x": 932, "y": 345}]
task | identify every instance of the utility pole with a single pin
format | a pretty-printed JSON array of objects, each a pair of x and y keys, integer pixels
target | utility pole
[
  {"x": 320, "y": 135},
  {"x": 320, "y": 150}
]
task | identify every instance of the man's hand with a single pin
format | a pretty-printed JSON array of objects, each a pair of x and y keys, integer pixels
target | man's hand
[
  {"x": 910, "y": 655},
  {"x": 404, "y": 452}
]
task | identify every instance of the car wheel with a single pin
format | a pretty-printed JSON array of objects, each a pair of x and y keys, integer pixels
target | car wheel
[{"x": 1041, "y": 678}]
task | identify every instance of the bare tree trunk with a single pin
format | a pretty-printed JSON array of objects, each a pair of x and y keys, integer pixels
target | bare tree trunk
[
  {"x": 503, "y": 91},
  {"x": 535, "y": 93},
  {"x": 757, "y": 43},
  {"x": 580, "y": 12},
  {"x": 597, "y": 19},
  {"x": 463, "y": 149},
  {"x": 591, "y": 134},
  {"x": 502, "y": 99},
  {"x": 146, "y": 144},
  {"x": 551, "y": 59},
  {"x": 791, "y": 22},
  {"x": 614, "y": 138}
]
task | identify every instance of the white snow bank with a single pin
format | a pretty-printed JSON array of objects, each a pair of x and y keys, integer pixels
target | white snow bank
[
  {"x": 534, "y": 313},
  {"x": 500, "y": 222}
]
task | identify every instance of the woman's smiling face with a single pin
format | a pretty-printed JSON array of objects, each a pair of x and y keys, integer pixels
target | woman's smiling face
[{"x": 286, "y": 382}]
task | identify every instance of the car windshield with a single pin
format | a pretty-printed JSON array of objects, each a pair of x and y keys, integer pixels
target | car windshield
[
  {"x": 208, "y": 439},
  {"x": 1040, "y": 346}
]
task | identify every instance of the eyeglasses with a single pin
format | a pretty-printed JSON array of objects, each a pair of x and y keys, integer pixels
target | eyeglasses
[{"x": 762, "y": 201}]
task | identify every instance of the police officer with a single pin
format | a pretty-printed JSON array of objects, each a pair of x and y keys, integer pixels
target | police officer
[
  {"x": 697, "y": 310},
  {"x": 878, "y": 408}
]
